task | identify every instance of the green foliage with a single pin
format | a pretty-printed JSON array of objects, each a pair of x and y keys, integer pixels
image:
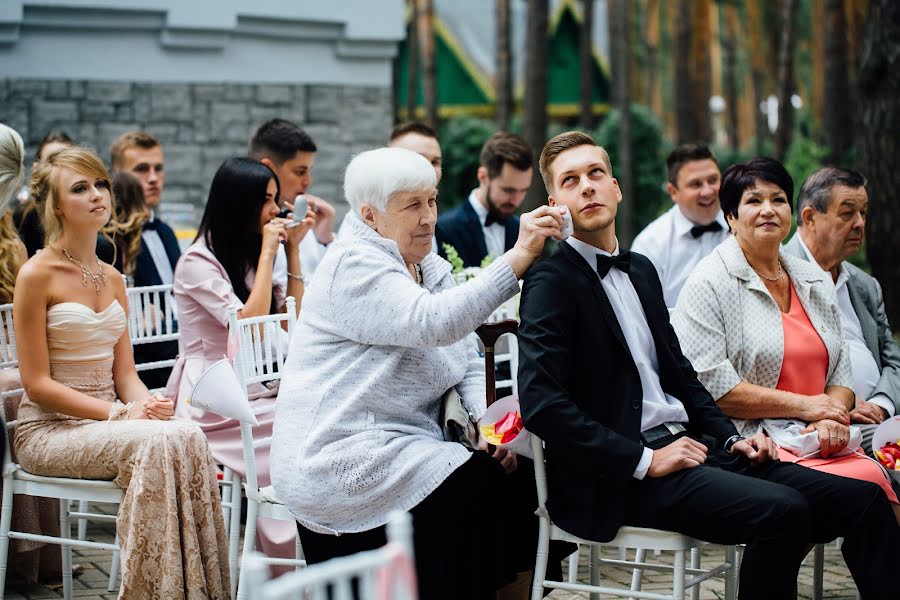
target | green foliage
[
  {"x": 461, "y": 141},
  {"x": 486, "y": 261},
  {"x": 453, "y": 258},
  {"x": 648, "y": 152}
]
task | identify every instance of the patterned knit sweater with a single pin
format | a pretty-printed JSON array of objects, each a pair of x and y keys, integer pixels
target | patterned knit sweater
[{"x": 356, "y": 429}]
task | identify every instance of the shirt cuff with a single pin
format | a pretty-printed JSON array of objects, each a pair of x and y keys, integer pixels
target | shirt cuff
[
  {"x": 884, "y": 402},
  {"x": 644, "y": 465}
]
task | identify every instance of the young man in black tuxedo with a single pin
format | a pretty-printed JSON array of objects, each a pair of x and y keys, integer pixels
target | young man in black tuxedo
[{"x": 633, "y": 438}]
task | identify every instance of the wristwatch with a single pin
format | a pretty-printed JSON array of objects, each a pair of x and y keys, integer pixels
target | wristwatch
[{"x": 732, "y": 441}]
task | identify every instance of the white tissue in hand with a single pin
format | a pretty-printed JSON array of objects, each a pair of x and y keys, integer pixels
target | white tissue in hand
[
  {"x": 567, "y": 228},
  {"x": 219, "y": 391}
]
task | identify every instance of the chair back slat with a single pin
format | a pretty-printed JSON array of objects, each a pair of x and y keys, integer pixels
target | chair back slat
[
  {"x": 8, "y": 356},
  {"x": 392, "y": 566},
  {"x": 152, "y": 315},
  {"x": 255, "y": 363}
]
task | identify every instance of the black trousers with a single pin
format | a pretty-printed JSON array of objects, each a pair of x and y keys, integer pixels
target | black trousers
[
  {"x": 777, "y": 509},
  {"x": 471, "y": 535}
]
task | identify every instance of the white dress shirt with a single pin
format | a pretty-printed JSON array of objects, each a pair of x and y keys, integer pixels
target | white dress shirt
[
  {"x": 862, "y": 363},
  {"x": 658, "y": 407},
  {"x": 311, "y": 253},
  {"x": 495, "y": 234},
  {"x": 158, "y": 253},
  {"x": 669, "y": 245}
]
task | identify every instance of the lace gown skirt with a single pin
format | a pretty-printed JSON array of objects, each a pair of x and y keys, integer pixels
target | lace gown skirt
[{"x": 170, "y": 523}]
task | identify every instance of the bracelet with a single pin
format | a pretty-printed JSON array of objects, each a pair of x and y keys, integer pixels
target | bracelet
[{"x": 301, "y": 277}]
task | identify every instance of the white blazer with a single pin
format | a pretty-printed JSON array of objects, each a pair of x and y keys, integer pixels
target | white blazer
[{"x": 730, "y": 327}]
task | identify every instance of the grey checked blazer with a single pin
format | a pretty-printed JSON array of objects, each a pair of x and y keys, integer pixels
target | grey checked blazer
[
  {"x": 730, "y": 327},
  {"x": 868, "y": 303}
]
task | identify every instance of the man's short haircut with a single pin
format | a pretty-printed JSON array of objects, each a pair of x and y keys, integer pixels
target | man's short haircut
[
  {"x": 684, "y": 154},
  {"x": 559, "y": 144},
  {"x": 128, "y": 140},
  {"x": 412, "y": 127},
  {"x": 743, "y": 176},
  {"x": 374, "y": 176},
  {"x": 816, "y": 190},
  {"x": 502, "y": 148},
  {"x": 279, "y": 140}
]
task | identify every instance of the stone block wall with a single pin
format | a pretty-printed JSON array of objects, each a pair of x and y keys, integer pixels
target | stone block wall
[{"x": 200, "y": 125}]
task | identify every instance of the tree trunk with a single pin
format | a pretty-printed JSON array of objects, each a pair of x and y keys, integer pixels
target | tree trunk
[
  {"x": 619, "y": 38},
  {"x": 836, "y": 118},
  {"x": 412, "y": 64},
  {"x": 427, "y": 43},
  {"x": 504, "y": 66},
  {"x": 730, "y": 76},
  {"x": 651, "y": 39},
  {"x": 757, "y": 68},
  {"x": 686, "y": 123},
  {"x": 586, "y": 55},
  {"x": 788, "y": 42},
  {"x": 534, "y": 125},
  {"x": 878, "y": 91},
  {"x": 701, "y": 41}
]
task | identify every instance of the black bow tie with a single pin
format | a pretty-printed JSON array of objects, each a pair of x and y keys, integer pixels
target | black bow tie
[
  {"x": 151, "y": 225},
  {"x": 698, "y": 230},
  {"x": 493, "y": 218},
  {"x": 622, "y": 262}
]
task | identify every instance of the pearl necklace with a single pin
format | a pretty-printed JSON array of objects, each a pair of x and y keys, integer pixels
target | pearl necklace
[{"x": 97, "y": 277}]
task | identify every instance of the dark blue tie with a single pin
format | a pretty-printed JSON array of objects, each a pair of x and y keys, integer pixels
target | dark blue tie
[
  {"x": 493, "y": 218},
  {"x": 622, "y": 262},
  {"x": 151, "y": 225}
]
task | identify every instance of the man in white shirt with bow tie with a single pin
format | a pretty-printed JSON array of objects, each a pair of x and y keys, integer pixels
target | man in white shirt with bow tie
[{"x": 677, "y": 240}]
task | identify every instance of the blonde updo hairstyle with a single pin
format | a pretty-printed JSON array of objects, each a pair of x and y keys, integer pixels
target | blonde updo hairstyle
[{"x": 45, "y": 184}]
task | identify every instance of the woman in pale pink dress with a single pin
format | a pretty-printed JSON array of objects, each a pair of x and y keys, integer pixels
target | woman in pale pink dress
[{"x": 230, "y": 263}]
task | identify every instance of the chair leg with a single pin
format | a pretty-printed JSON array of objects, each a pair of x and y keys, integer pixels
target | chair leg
[
  {"x": 541, "y": 558},
  {"x": 298, "y": 551},
  {"x": 573, "y": 564},
  {"x": 234, "y": 528},
  {"x": 738, "y": 557},
  {"x": 695, "y": 564},
  {"x": 115, "y": 566},
  {"x": 637, "y": 575},
  {"x": 65, "y": 531},
  {"x": 595, "y": 569},
  {"x": 5, "y": 523},
  {"x": 82, "y": 522},
  {"x": 678, "y": 576},
  {"x": 818, "y": 571},
  {"x": 249, "y": 544},
  {"x": 730, "y": 578}
]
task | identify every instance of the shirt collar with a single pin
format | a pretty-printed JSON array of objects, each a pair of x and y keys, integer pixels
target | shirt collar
[
  {"x": 480, "y": 210},
  {"x": 842, "y": 271},
  {"x": 683, "y": 225},
  {"x": 588, "y": 252}
]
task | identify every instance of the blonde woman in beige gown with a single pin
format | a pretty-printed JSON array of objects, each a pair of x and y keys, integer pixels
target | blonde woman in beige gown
[{"x": 75, "y": 360}]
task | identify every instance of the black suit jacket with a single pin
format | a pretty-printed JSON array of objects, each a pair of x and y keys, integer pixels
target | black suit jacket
[
  {"x": 580, "y": 391},
  {"x": 461, "y": 228}
]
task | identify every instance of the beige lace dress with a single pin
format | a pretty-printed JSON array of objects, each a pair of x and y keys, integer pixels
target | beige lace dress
[{"x": 170, "y": 524}]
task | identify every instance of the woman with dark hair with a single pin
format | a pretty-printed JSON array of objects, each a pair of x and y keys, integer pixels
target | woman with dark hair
[
  {"x": 120, "y": 241},
  {"x": 762, "y": 330},
  {"x": 230, "y": 263},
  {"x": 26, "y": 219}
]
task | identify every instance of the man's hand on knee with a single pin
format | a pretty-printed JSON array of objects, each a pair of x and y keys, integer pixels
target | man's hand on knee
[
  {"x": 683, "y": 453},
  {"x": 759, "y": 449}
]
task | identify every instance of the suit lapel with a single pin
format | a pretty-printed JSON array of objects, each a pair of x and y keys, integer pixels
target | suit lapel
[
  {"x": 866, "y": 322},
  {"x": 606, "y": 309},
  {"x": 474, "y": 233}
]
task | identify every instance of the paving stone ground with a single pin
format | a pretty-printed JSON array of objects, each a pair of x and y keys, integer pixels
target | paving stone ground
[{"x": 92, "y": 583}]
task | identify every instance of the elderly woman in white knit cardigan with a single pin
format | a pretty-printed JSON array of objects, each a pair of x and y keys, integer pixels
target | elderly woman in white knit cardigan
[{"x": 381, "y": 337}]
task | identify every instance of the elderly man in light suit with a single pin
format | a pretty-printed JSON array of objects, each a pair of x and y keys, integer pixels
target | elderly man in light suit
[{"x": 831, "y": 218}]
